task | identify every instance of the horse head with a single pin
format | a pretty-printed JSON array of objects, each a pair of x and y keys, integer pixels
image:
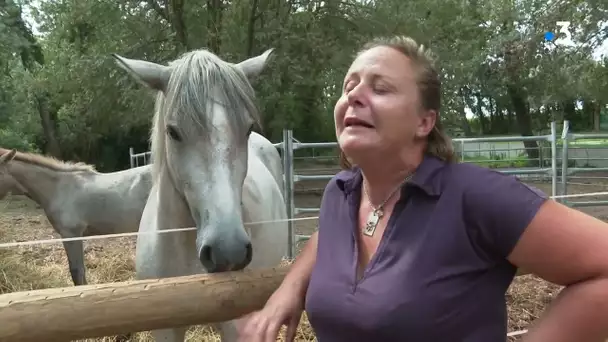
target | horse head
[
  {"x": 204, "y": 113},
  {"x": 5, "y": 158},
  {"x": 7, "y": 182}
]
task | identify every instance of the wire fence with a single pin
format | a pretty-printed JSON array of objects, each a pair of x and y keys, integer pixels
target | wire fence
[{"x": 308, "y": 166}]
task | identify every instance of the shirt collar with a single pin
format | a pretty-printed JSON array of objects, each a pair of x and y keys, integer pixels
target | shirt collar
[{"x": 424, "y": 178}]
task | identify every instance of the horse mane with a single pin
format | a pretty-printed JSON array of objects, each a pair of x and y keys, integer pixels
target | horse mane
[
  {"x": 197, "y": 79},
  {"x": 50, "y": 162}
]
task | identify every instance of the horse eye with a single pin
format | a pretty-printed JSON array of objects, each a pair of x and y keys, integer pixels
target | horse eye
[{"x": 172, "y": 133}]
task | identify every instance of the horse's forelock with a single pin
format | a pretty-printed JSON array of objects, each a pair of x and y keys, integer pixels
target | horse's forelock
[{"x": 196, "y": 78}]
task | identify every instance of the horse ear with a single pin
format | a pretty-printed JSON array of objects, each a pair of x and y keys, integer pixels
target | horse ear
[
  {"x": 153, "y": 75},
  {"x": 7, "y": 157},
  {"x": 253, "y": 66}
]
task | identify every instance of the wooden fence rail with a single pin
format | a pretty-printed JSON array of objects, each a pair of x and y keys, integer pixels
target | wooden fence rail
[{"x": 69, "y": 313}]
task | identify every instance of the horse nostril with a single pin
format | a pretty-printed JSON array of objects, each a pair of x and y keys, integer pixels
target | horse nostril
[
  {"x": 248, "y": 256},
  {"x": 249, "y": 252},
  {"x": 205, "y": 256}
]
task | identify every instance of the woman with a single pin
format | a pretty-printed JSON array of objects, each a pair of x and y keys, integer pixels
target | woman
[{"x": 413, "y": 246}]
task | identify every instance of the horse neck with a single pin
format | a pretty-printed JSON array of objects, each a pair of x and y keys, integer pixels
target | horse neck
[{"x": 40, "y": 183}]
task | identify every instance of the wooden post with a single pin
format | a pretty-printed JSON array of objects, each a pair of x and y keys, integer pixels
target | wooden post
[{"x": 78, "y": 312}]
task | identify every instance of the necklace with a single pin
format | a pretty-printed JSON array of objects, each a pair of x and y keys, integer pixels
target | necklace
[{"x": 377, "y": 213}]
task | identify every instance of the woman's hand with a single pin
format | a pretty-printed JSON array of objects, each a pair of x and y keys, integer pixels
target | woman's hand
[
  {"x": 284, "y": 307},
  {"x": 286, "y": 304}
]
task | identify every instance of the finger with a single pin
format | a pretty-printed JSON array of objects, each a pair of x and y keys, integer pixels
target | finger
[
  {"x": 247, "y": 326},
  {"x": 272, "y": 331},
  {"x": 252, "y": 328},
  {"x": 292, "y": 328},
  {"x": 264, "y": 332},
  {"x": 290, "y": 333}
]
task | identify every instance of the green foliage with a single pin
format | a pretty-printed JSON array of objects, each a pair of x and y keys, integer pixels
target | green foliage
[
  {"x": 64, "y": 74},
  {"x": 11, "y": 139},
  {"x": 495, "y": 161}
]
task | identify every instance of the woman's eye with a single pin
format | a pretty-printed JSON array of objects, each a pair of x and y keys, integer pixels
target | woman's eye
[
  {"x": 348, "y": 87},
  {"x": 381, "y": 90}
]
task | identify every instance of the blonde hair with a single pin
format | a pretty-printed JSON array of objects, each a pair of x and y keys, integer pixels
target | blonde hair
[{"x": 429, "y": 85}]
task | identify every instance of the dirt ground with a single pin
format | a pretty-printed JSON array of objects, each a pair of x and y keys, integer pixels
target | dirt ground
[{"x": 45, "y": 266}]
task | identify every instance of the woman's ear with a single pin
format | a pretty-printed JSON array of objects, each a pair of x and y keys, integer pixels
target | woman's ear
[{"x": 426, "y": 123}]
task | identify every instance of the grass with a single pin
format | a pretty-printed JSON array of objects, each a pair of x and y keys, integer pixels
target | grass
[
  {"x": 45, "y": 266},
  {"x": 590, "y": 142},
  {"x": 494, "y": 162},
  {"x": 586, "y": 142}
]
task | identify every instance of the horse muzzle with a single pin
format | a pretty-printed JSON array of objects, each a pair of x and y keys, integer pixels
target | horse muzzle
[{"x": 225, "y": 251}]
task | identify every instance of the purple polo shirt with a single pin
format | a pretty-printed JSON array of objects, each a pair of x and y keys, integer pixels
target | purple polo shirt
[{"x": 440, "y": 272}]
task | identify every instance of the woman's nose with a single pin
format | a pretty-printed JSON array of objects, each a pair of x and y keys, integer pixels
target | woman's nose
[{"x": 355, "y": 96}]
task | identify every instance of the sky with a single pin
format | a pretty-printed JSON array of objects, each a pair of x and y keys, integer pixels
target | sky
[{"x": 601, "y": 50}]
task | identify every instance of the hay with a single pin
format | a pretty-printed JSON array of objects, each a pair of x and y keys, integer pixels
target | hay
[
  {"x": 37, "y": 267},
  {"x": 45, "y": 266}
]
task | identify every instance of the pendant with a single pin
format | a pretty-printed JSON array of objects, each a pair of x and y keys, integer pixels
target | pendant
[{"x": 372, "y": 222}]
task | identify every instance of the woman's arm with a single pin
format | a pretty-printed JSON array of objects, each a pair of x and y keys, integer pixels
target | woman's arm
[
  {"x": 565, "y": 246},
  {"x": 285, "y": 305},
  {"x": 569, "y": 248},
  {"x": 298, "y": 276}
]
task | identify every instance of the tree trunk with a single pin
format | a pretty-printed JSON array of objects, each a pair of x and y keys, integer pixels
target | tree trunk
[
  {"x": 48, "y": 119},
  {"x": 214, "y": 25},
  {"x": 524, "y": 122}
]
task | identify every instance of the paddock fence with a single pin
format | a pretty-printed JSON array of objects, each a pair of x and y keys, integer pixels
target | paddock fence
[
  {"x": 89, "y": 311},
  {"x": 506, "y": 154}
]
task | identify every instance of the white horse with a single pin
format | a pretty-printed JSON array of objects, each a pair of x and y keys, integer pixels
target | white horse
[
  {"x": 79, "y": 201},
  {"x": 269, "y": 155},
  {"x": 206, "y": 175}
]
